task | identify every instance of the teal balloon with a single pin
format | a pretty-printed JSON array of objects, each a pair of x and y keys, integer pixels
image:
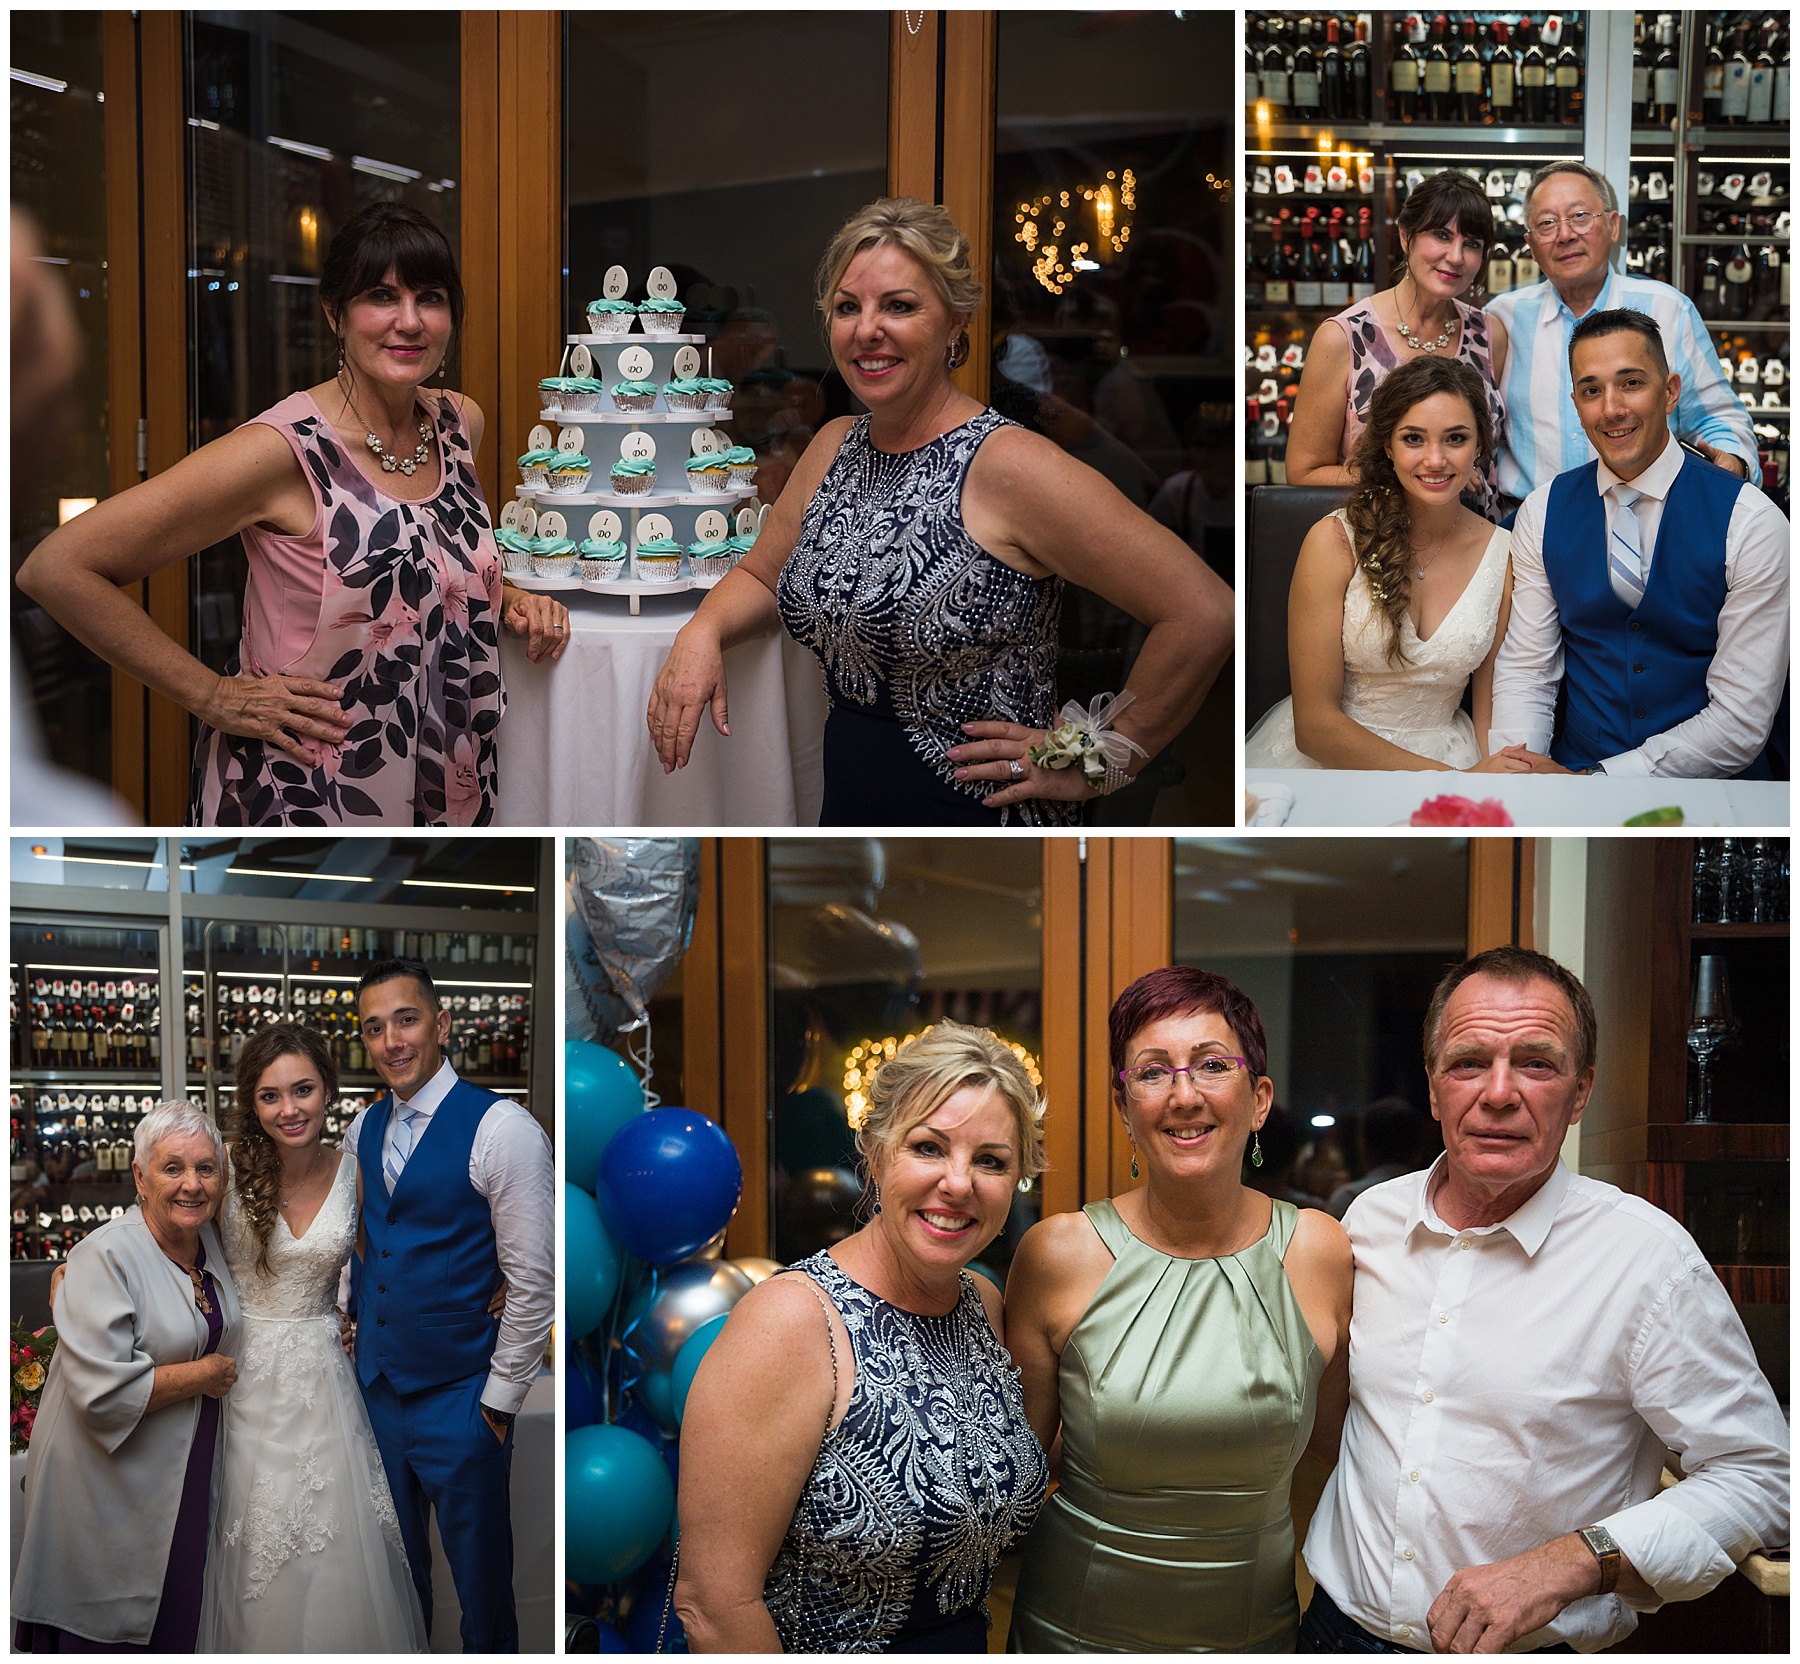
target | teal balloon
[
  {"x": 601, "y": 1092},
  {"x": 591, "y": 1263},
  {"x": 988, "y": 1272},
  {"x": 687, "y": 1360},
  {"x": 618, "y": 1502}
]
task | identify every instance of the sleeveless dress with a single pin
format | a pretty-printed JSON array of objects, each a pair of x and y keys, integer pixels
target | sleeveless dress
[
  {"x": 931, "y": 1476},
  {"x": 1373, "y": 356},
  {"x": 306, "y": 1553},
  {"x": 1188, "y": 1391},
  {"x": 1415, "y": 704},
  {"x": 399, "y": 600},
  {"x": 919, "y": 630}
]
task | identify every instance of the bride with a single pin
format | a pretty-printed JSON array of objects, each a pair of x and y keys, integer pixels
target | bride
[
  {"x": 306, "y": 1553},
  {"x": 1400, "y": 599}
]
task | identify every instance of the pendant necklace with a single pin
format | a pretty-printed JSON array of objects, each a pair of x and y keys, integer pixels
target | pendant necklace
[
  {"x": 1421, "y": 567},
  {"x": 407, "y": 465}
]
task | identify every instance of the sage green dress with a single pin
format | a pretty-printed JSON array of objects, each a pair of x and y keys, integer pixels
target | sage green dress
[{"x": 1188, "y": 1391}]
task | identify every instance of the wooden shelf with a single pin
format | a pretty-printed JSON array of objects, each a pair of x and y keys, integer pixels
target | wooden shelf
[
  {"x": 1738, "y": 932},
  {"x": 1718, "y": 1141}
]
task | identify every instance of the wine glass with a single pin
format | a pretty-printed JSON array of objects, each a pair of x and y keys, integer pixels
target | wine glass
[{"x": 1710, "y": 1025}]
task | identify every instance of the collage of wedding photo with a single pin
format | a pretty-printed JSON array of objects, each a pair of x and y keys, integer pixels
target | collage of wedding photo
[{"x": 732, "y": 927}]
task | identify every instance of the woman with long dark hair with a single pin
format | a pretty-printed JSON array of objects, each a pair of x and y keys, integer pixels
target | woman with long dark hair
[
  {"x": 1400, "y": 599},
  {"x": 1446, "y": 229},
  {"x": 366, "y": 688}
]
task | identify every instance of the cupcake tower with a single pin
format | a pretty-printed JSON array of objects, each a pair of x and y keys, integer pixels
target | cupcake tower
[{"x": 635, "y": 432}]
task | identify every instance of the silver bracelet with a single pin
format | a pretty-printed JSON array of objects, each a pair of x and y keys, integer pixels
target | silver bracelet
[{"x": 1115, "y": 779}]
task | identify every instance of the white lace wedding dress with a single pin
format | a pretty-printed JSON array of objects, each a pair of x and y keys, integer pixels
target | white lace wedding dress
[
  {"x": 1414, "y": 704},
  {"x": 305, "y": 1553}
]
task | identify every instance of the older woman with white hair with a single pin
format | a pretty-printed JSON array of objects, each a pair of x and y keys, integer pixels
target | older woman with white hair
[
  {"x": 855, "y": 1456},
  {"x": 920, "y": 551},
  {"x": 118, "y": 1483}
]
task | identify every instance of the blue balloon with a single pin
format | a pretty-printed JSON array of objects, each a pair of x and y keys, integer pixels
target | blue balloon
[
  {"x": 618, "y": 1502},
  {"x": 591, "y": 1263},
  {"x": 668, "y": 1183},
  {"x": 612, "y": 1641},
  {"x": 601, "y": 1092},
  {"x": 652, "y": 1615},
  {"x": 581, "y": 1396},
  {"x": 687, "y": 1360}
]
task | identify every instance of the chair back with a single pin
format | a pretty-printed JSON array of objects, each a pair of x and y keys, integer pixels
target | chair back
[{"x": 1280, "y": 518}]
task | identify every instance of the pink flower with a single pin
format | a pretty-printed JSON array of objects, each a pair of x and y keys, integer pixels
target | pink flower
[
  {"x": 394, "y": 628},
  {"x": 455, "y": 596},
  {"x": 462, "y": 791},
  {"x": 1451, "y": 810}
]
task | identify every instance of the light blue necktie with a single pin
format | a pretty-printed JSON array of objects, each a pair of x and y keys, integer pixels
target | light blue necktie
[
  {"x": 404, "y": 1138},
  {"x": 1625, "y": 553}
]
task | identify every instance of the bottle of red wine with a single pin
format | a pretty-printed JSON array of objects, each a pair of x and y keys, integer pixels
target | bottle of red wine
[
  {"x": 1356, "y": 73},
  {"x": 1503, "y": 78},
  {"x": 1569, "y": 75},
  {"x": 1665, "y": 74},
  {"x": 1533, "y": 93},
  {"x": 1439, "y": 96},
  {"x": 1332, "y": 102},
  {"x": 1403, "y": 74},
  {"x": 1305, "y": 73},
  {"x": 1470, "y": 77}
]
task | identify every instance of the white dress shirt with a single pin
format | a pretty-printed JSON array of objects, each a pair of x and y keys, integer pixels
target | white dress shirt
[
  {"x": 511, "y": 1166},
  {"x": 1749, "y": 663},
  {"x": 1510, "y": 1383}
]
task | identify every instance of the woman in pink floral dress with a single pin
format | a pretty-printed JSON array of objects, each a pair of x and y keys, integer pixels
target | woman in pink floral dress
[{"x": 366, "y": 689}]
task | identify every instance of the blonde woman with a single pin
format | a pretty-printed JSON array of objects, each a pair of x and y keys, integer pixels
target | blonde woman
[
  {"x": 920, "y": 551},
  {"x": 855, "y": 1456}
]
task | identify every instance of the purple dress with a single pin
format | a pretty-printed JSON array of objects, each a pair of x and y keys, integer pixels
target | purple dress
[{"x": 178, "y": 1617}]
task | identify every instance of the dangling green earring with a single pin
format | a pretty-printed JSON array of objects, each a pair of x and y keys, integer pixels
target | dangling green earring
[
  {"x": 1134, "y": 1170},
  {"x": 1256, "y": 1148}
]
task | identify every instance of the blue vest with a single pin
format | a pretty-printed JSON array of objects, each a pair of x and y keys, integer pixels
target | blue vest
[
  {"x": 1628, "y": 674},
  {"x": 430, "y": 1265}
]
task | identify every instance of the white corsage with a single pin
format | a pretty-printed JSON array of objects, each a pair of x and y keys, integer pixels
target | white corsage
[{"x": 1085, "y": 740}]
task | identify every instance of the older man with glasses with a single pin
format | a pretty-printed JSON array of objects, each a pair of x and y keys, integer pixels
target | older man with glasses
[{"x": 1572, "y": 219}]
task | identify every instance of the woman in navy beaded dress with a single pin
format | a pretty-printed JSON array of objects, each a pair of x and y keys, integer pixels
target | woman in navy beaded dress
[
  {"x": 855, "y": 1457},
  {"x": 920, "y": 552}
]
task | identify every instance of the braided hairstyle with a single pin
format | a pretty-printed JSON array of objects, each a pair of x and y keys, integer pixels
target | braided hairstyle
[
  {"x": 255, "y": 1161},
  {"x": 1379, "y": 510}
]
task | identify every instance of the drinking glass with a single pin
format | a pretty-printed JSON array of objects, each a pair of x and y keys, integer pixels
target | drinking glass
[{"x": 1710, "y": 1025}]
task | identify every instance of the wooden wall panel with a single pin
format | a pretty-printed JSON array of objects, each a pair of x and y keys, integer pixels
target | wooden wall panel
[
  {"x": 968, "y": 169},
  {"x": 702, "y": 1001},
  {"x": 1491, "y": 894},
  {"x": 1106, "y": 1172},
  {"x": 1062, "y": 1188},
  {"x": 480, "y": 345},
  {"x": 744, "y": 970},
  {"x": 1618, "y": 975},
  {"x": 913, "y": 105}
]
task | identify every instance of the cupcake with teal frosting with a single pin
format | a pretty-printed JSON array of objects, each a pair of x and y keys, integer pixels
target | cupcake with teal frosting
[
  {"x": 659, "y": 560},
  {"x": 582, "y": 393},
  {"x": 708, "y": 473},
  {"x": 710, "y": 557},
  {"x": 552, "y": 557},
  {"x": 610, "y": 317},
  {"x": 718, "y": 392},
  {"x": 571, "y": 472},
  {"x": 660, "y": 317},
  {"x": 740, "y": 546},
  {"x": 741, "y": 460},
  {"x": 685, "y": 393},
  {"x": 534, "y": 467},
  {"x": 600, "y": 559},
  {"x": 633, "y": 475},
  {"x": 515, "y": 550},
  {"x": 634, "y": 395},
  {"x": 550, "y": 391}
]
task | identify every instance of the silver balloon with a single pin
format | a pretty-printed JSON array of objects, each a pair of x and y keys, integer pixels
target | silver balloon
[
  {"x": 714, "y": 1250},
  {"x": 686, "y": 1296},
  {"x": 756, "y": 1268},
  {"x": 629, "y": 911}
]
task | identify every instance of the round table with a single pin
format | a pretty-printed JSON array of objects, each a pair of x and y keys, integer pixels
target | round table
[{"x": 575, "y": 751}]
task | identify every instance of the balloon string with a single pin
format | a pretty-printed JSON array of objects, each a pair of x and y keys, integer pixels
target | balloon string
[
  {"x": 627, "y": 1380},
  {"x": 642, "y": 1064}
]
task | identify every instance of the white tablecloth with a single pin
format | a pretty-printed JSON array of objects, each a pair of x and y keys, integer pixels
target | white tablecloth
[
  {"x": 575, "y": 751},
  {"x": 1379, "y": 797}
]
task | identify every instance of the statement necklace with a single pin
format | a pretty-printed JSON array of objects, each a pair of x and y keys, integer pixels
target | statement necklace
[
  {"x": 1417, "y": 343},
  {"x": 408, "y": 465}
]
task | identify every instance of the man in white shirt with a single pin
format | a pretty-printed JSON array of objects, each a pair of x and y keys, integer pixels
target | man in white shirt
[
  {"x": 458, "y": 1191},
  {"x": 1525, "y": 1344},
  {"x": 1649, "y": 585}
]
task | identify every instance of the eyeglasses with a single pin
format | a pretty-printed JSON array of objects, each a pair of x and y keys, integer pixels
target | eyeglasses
[
  {"x": 1152, "y": 1082},
  {"x": 1580, "y": 222}
]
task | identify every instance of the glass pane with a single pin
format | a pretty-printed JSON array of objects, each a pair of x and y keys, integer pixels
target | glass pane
[
  {"x": 86, "y": 1063},
  {"x": 59, "y": 178},
  {"x": 736, "y": 191},
  {"x": 487, "y": 874},
  {"x": 1114, "y": 309},
  {"x": 296, "y": 120},
  {"x": 1339, "y": 941},
  {"x": 91, "y": 863},
  {"x": 874, "y": 939}
]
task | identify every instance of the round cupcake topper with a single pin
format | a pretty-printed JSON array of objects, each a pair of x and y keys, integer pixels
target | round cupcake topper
[
  {"x": 615, "y": 283},
  {"x": 653, "y": 525},
  {"x": 762, "y": 514},
  {"x": 509, "y": 515},
  {"x": 568, "y": 441},
  {"x": 705, "y": 442},
  {"x": 538, "y": 439},
  {"x": 605, "y": 526},
  {"x": 747, "y": 521},
  {"x": 552, "y": 524},
  {"x": 710, "y": 526},
  {"x": 528, "y": 520},
  {"x": 635, "y": 363},
  {"x": 687, "y": 362},
  {"x": 638, "y": 444},
  {"x": 581, "y": 362},
  {"x": 660, "y": 284}
]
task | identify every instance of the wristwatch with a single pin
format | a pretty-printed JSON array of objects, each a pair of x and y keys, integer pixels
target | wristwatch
[
  {"x": 1600, "y": 1541},
  {"x": 504, "y": 1419}
]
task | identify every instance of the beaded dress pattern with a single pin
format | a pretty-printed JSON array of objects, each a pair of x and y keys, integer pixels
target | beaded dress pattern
[
  {"x": 931, "y": 1476},
  {"x": 912, "y": 620}
]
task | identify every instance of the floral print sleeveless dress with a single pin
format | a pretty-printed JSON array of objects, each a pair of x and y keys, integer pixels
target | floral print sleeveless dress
[{"x": 401, "y": 602}]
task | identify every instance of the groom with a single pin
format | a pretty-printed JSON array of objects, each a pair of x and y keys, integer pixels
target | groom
[
  {"x": 457, "y": 1192},
  {"x": 1650, "y": 584}
]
